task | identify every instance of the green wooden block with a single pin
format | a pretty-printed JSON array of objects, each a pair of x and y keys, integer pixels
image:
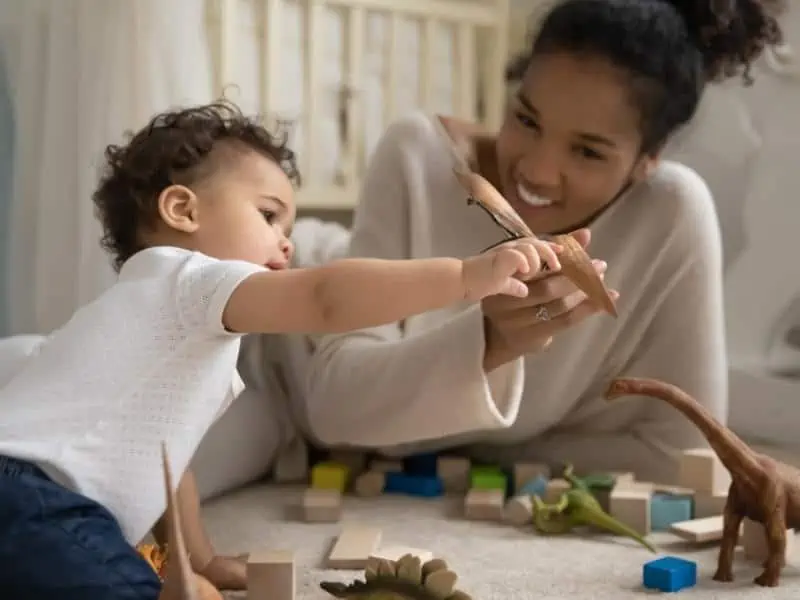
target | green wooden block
[{"x": 488, "y": 478}]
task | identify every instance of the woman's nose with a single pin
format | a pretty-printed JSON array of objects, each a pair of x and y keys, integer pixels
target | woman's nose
[{"x": 541, "y": 167}]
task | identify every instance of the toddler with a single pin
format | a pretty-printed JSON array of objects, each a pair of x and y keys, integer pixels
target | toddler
[{"x": 197, "y": 210}]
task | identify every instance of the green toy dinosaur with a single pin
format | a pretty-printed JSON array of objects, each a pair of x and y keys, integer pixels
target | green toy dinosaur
[{"x": 578, "y": 507}]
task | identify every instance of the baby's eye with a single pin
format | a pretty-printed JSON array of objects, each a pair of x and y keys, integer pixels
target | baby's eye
[{"x": 268, "y": 215}]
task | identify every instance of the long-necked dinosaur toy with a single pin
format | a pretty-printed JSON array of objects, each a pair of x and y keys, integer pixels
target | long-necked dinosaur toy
[{"x": 762, "y": 489}]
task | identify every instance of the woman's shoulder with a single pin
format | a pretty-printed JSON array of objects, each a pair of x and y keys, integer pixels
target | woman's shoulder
[
  {"x": 414, "y": 134},
  {"x": 676, "y": 195}
]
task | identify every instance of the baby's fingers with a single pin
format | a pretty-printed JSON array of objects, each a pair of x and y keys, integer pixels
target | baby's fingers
[{"x": 547, "y": 252}]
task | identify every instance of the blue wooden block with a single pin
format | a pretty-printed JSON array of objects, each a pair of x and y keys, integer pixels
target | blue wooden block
[
  {"x": 666, "y": 509},
  {"x": 413, "y": 485},
  {"x": 670, "y": 574},
  {"x": 421, "y": 464},
  {"x": 534, "y": 487}
]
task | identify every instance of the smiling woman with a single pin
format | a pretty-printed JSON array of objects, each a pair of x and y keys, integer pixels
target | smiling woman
[{"x": 602, "y": 88}]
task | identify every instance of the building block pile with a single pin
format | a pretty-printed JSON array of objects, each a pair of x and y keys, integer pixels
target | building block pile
[{"x": 692, "y": 510}]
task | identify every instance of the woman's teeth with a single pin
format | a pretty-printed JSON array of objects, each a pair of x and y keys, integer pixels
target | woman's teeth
[{"x": 530, "y": 198}]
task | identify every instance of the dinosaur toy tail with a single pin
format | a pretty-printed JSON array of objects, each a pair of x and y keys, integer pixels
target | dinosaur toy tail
[
  {"x": 612, "y": 525},
  {"x": 334, "y": 588},
  {"x": 735, "y": 455}
]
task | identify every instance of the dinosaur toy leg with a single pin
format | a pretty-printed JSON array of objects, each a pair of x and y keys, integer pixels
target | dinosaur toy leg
[
  {"x": 732, "y": 523},
  {"x": 775, "y": 531}
]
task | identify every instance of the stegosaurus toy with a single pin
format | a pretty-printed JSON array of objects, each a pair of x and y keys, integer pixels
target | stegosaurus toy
[{"x": 404, "y": 579}]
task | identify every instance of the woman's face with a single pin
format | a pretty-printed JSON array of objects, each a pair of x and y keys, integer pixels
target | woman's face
[{"x": 570, "y": 142}]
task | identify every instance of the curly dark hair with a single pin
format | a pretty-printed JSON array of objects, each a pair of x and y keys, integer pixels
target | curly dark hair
[
  {"x": 670, "y": 48},
  {"x": 174, "y": 148}
]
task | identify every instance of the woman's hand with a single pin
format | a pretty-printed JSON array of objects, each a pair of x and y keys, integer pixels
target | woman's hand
[{"x": 517, "y": 326}]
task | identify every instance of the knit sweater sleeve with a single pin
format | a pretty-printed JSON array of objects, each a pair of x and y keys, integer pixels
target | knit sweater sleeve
[{"x": 379, "y": 387}]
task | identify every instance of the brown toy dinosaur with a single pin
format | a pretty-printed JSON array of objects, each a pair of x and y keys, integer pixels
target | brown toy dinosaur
[
  {"x": 180, "y": 583},
  {"x": 762, "y": 489},
  {"x": 575, "y": 262}
]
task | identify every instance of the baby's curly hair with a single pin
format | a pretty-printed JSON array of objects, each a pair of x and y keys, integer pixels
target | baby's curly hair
[{"x": 174, "y": 148}]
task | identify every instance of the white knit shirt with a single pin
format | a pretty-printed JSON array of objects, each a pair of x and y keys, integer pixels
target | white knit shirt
[{"x": 148, "y": 361}]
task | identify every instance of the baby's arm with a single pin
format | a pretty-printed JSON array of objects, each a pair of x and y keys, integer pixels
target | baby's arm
[{"x": 352, "y": 294}]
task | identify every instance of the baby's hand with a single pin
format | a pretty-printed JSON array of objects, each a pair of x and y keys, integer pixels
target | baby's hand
[{"x": 500, "y": 270}]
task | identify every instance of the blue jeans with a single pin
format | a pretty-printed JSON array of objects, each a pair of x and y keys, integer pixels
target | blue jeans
[{"x": 58, "y": 545}]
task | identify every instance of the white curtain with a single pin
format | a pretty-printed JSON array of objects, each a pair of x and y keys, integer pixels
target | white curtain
[{"x": 82, "y": 73}]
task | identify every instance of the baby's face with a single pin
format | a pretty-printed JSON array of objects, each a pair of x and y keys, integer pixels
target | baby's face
[{"x": 247, "y": 213}]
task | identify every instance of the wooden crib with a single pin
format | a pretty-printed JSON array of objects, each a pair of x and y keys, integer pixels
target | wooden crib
[{"x": 339, "y": 71}]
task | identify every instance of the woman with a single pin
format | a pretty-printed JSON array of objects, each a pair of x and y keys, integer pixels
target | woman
[{"x": 604, "y": 86}]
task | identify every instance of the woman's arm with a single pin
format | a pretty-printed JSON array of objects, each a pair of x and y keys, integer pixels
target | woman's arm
[{"x": 377, "y": 387}]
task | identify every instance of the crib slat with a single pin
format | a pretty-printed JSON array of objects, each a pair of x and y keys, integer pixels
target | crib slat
[
  {"x": 392, "y": 58},
  {"x": 427, "y": 62},
  {"x": 466, "y": 65},
  {"x": 227, "y": 44},
  {"x": 479, "y": 13},
  {"x": 271, "y": 57},
  {"x": 314, "y": 33},
  {"x": 494, "y": 79},
  {"x": 353, "y": 96}
]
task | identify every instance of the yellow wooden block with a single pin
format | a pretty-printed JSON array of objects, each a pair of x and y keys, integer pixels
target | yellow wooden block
[{"x": 330, "y": 476}]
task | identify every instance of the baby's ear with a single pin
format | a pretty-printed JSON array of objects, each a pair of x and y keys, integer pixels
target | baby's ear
[
  {"x": 646, "y": 166},
  {"x": 178, "y": 208}
]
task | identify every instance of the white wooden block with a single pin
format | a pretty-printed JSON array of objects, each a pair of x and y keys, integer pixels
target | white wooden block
[
  {"x": 484, "y": 505},
  {"x": 354, "y": 460},
  {"x": 527, "y": 472},
  {"x": 322, "y": 505},
  {"x": 397, "y": 552},
  {"x": 754, "y": 541},
  {"x": 709, "y": 505},
  {"x": 454, "y": 473},
  {"x": 519, "y": 510},
  {"x": 701, "y": 470},
  {"x": 708, "y": 529},
  {"x": 353, "y": 547},
  {"x": 555, "y": 488},
  {"x": 271, "y": 575},
  {"x": 370, "y": 484},
  {"x": 632, "y": 507}
]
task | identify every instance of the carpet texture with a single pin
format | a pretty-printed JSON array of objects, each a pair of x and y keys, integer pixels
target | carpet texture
[{"x": 493, "y": 561}]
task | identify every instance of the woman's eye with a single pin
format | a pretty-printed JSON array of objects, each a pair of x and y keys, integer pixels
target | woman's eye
[
  {"x": 526, "y": 121},
  {"x": 587, "y": 152}
]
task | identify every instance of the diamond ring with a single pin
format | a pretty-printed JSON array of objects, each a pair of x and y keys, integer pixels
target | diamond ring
[{"x": 542, "y": 314}]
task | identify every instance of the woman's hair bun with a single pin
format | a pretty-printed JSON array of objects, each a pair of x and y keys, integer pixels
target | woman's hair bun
[{"x": 731, "y": 34}]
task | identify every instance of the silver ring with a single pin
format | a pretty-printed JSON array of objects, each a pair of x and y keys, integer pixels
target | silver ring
[{"x": 542, "y": 314}]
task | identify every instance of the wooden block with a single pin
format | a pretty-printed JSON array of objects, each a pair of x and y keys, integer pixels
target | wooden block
[
  {"x": 454, "y": 472},
  {"x": 555, "y": 488},
  {"x": 397, "y": 552},
  {"x": 330, "y": 476},
  {"x": 754, "y": 541},
  {"x": 271, "y": 575},
  {"x": 525, "y": 472},
  {"x": 668, "y": 509},
  {"x": 519, "y": 510},
  {"x": 632, "y": 507},
  {"x": 322, "y": 506},
  {"x": 353, "y": 547},
  {"x": 673, "y": 490},
  {"x": 701, "y": 470},
  {"x": 622, "y": 476},
  {"x": 484, "y": 505},
  {"x": 370, "y": 484},
  {"x": 386, "y": 466},
  {"x": 488, "y": 478},
  {"x": 709, "y": 505},
  {"x": 699, "y": 531}
]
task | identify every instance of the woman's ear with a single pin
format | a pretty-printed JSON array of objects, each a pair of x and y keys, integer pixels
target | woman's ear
[
  {"x": 178, "y": 208},
  {"x": 645, "y": 167}
]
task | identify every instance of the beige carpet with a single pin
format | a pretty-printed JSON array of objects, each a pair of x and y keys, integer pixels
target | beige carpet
[{"x": 493, "y": 561}]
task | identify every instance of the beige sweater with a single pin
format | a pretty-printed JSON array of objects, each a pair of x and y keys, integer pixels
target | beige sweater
[{"x": 420, "y": 385}]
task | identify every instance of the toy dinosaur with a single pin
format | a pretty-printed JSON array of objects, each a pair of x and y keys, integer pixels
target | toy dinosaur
[
  {"x": 762, "y": 489},
  {"x": 578, "y": 507},
  {"x": 575, "y": 262},
  {"x": 404, "y": 579},
  {"x": 180, "y": 583}
]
